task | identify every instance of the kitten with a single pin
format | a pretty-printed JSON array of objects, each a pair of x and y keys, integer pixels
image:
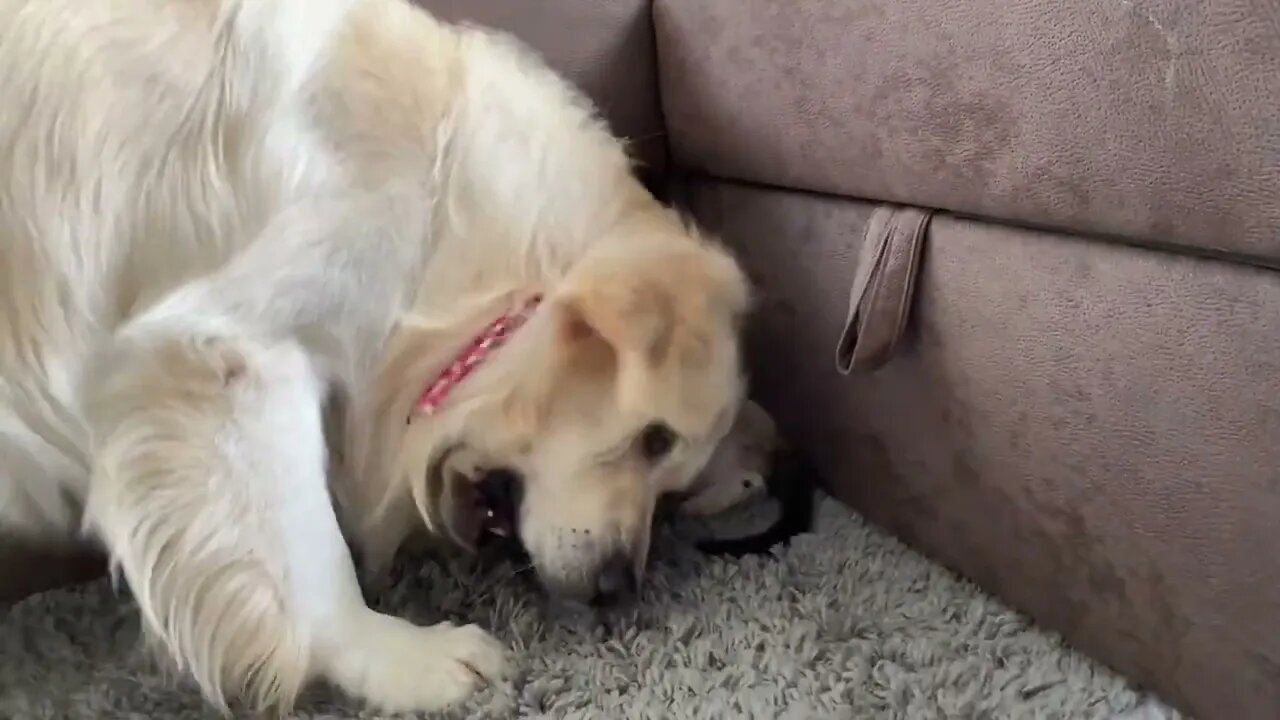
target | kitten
[
  {"x": 752, "y": 460},
  {"x": 792, "y": 482}
]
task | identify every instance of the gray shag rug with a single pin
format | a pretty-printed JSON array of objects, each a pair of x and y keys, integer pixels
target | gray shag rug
[{"x": 845, "y": 623}]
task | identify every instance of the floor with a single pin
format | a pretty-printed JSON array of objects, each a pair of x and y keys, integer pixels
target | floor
[{"x": 845, "y": 623}]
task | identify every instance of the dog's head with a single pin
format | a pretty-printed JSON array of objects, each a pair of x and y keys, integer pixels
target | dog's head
[{"x": 613, "y": 394}]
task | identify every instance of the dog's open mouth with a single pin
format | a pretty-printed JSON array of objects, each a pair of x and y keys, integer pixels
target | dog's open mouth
[
  {"x": 483, "y": 510},
  {"x": 475, "y": 506},
  {"x": 496, "y": 502}
]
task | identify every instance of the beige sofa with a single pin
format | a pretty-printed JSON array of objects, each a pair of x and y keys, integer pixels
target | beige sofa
[{"x": 1064, "y": 376}]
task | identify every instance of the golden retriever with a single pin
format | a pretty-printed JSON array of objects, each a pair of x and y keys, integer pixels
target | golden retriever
[{"x": 240, "y": 238}]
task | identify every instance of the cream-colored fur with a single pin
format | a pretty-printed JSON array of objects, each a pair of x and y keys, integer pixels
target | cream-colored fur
[{"x": 237, "y": 237}]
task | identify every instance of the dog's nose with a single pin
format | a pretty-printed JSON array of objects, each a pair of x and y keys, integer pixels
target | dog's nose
[{"x": 616, "y": 581}]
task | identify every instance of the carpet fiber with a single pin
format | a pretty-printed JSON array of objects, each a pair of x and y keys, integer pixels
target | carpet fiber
[{"x": 846, "y": 623}]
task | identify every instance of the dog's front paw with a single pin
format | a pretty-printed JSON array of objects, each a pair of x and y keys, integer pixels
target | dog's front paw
[{"x": 402, "y": 667}]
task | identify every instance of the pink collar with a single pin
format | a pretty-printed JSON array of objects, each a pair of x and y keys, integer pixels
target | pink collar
[{"x": 494, "y": 335}]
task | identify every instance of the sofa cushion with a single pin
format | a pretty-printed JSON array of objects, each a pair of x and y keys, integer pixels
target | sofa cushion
[
  {"x": 1105, "y": 461},
  {"x": 1151, "y": 121},
  {"x": 605, "y": 47}
]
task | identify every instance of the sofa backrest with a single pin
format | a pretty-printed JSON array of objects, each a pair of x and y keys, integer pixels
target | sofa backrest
[
  {"x": 1154, "y": 121},
  {"x": 606, "y": 47}
]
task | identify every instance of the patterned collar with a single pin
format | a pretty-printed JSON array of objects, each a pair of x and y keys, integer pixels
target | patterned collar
[{"x": 492, "y": 337}]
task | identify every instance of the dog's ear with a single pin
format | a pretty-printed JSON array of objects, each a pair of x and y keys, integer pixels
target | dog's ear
[
  {"x": 654, "y": 309},
  {"x": 624, "y": 318},
  {"x": 645, "y": 304}
]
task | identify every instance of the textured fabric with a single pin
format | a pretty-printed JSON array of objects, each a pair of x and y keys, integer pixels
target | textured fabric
[
  {"x": 604, "y": 46},
  {"x": 1087, "y": 430},
  {"x": 845, "y": 624},
  {"x": 1155, "y": 120}
]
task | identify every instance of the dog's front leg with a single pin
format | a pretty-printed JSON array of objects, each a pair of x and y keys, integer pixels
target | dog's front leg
[{"x": 209, "y": 490}]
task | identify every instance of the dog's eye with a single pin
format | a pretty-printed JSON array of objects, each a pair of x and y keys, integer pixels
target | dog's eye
[{"x": 656, "y": 440}]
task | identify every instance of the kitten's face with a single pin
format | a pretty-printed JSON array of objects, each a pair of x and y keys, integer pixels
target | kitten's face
[{"x": 737, "y": 469}]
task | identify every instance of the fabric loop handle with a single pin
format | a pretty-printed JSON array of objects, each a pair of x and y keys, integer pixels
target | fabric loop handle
[{"x": 883, "y": 287}]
